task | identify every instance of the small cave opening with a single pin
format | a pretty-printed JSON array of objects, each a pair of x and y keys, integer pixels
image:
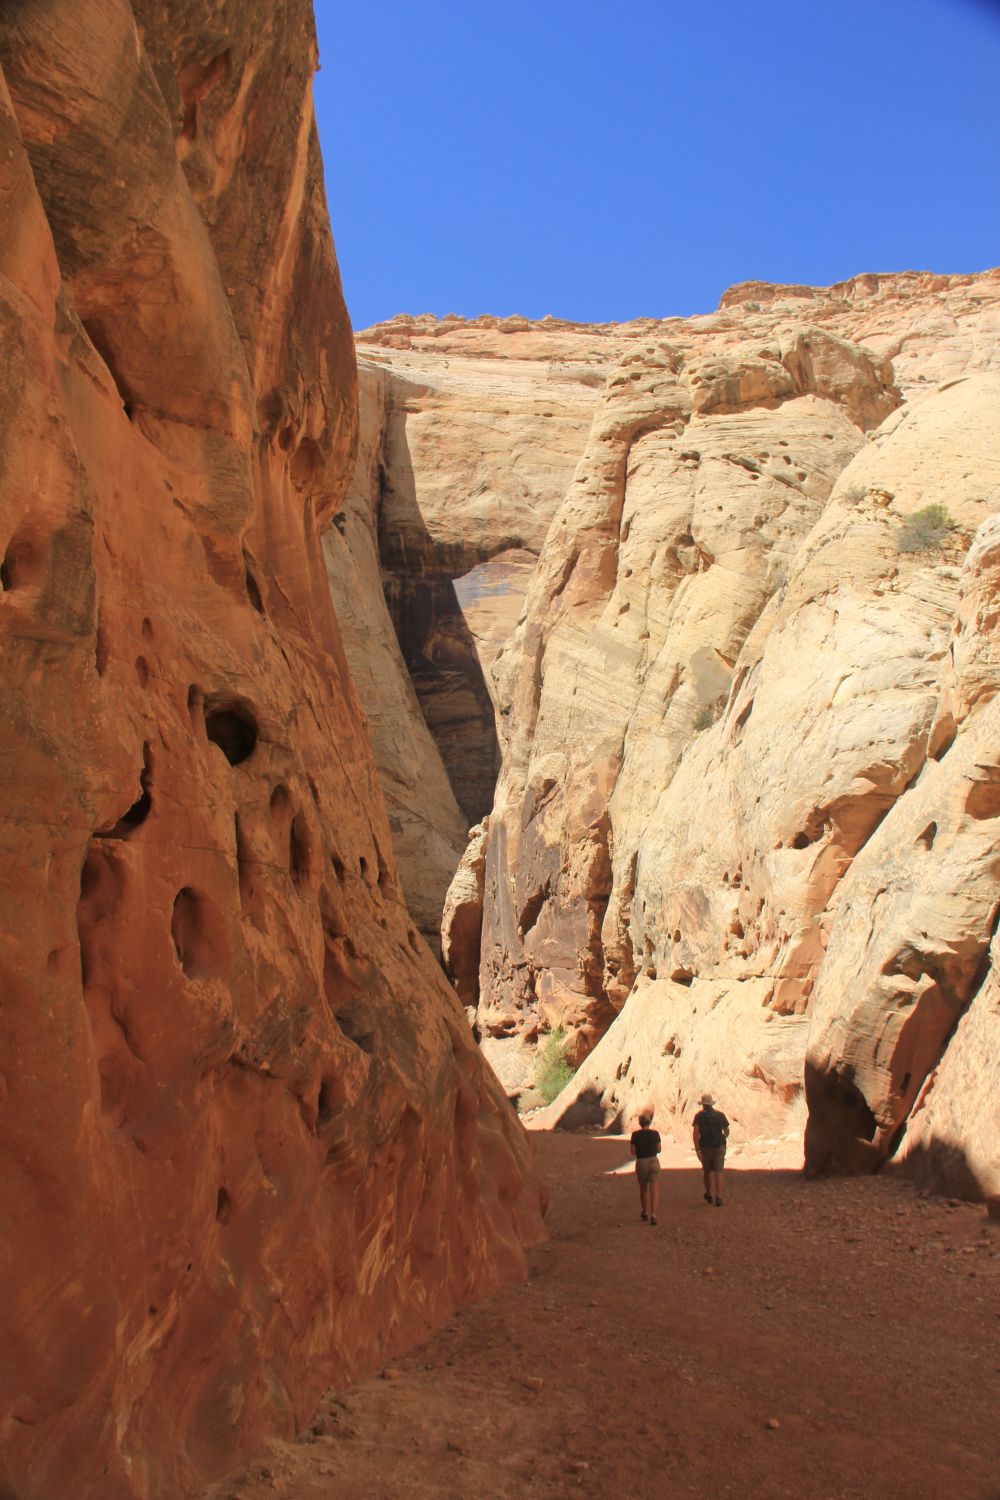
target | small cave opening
[
  {"x": 199, "y": 936},
  {"x": 927, "y": 837},
  {"x": 299, "y": 852},
  {"x": 331, "y": 1098},
  {"x": 356, "y": 1029},
  {"x": 253, "y": 592},
  {"x": 363, "y": 868},
  {"x": 223, "y": 1206},
  {"x": 863, "y": 1121},
  {"x": 232, "y": 726}
]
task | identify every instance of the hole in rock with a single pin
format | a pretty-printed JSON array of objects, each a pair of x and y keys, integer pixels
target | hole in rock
[
  {"x": 102, "y": 649},
  {"x": 682, "y": 976},
  {"x": 339, "y": 868},
  {"x": 223, "y": 1206},
  {"x": 905, "y": 1084},
  {"x": 199, "y": 936},
  {"x": 356, "y": 1029},
  {"x": 363, "y": 867},
  {"x": 928, "y": 836},
  {"x": 21, "y": 561},
  {"x": 253, "y": 592},
  {"x": 864, "y": 1124},
  {"x": 231, "y": 725},
  {"x": 142, "y": 670},
  {"x": 147, "y": 628},
  {"x": 299, "y": 851},
  {"x": 332, "y": 1096}
]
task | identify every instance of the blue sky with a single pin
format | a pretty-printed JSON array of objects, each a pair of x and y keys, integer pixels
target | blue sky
[{"x": 602, "y": 162}]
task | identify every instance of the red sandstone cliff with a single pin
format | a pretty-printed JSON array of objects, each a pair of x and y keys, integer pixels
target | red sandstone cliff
[{"x": 247, "y": 1145}]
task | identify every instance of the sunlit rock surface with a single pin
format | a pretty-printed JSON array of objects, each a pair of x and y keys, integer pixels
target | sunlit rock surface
[{"x": 732, "y": 689}]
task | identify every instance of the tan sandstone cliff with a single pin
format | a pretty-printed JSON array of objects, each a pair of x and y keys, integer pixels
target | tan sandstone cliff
[
  {"x": 247, "y": 1144},
  {"x": 729, "y": 690}
]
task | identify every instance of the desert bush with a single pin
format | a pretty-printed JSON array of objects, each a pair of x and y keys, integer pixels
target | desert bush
[
  {"x": 925, "y": 529},
  {"x": 552, "y": 1070},
  {"x": 705, "y": 717}
]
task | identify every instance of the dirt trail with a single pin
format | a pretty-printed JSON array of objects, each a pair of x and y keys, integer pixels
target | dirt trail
[{"x": 653, "y": 1363}]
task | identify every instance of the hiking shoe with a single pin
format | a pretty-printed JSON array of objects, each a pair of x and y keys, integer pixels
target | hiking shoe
[
  {"x": 708, "y": 1197},
  {"x": 718, "y": 1202},
  {"x": 644, "y": 1217},
  {"x": 652, "y": 1219}
]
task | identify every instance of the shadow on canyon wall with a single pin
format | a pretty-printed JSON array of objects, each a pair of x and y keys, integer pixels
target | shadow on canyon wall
[{"x": 437, "y": 645}]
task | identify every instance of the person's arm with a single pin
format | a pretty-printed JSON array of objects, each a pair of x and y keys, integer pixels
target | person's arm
[
  {"x": 696, "y": 1134},
  {"x": 631, "y": 1145},
  {"x": 725, "y": 1128}
]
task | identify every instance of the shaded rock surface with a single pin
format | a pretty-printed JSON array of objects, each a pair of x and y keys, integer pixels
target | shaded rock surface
[{"x": 248, "y": 1146}]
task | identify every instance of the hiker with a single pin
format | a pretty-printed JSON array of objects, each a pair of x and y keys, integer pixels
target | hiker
[
  {"x": 645, "y": 1147},
  {"x": 711, "y": 1129}
]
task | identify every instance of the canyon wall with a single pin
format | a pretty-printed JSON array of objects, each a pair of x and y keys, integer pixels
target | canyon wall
[
  {"x": 736, "y": 679},
  {"x": 248, "y": 1145}
]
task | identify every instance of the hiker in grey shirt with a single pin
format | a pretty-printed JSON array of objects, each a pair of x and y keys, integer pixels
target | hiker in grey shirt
[{"x": 711, "y": 1131}]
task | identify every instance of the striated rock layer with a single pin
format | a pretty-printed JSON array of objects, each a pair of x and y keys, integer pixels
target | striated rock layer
[
  {"x": 734, "y": 688},
  {"x": 247, "y": 1144}
]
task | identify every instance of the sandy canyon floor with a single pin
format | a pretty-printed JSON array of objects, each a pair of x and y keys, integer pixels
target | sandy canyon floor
[{"x": 832, "y": 1340}]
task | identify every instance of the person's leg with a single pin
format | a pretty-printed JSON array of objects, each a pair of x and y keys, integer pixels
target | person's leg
[
  {"x": 708, "y": 1180},
  {"x": 642, "y": 1191},
  {"x": 717, "y": 1176},
  {"x": 654, "y": 1193}
]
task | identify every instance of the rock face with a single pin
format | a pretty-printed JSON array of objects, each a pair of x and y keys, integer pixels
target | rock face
[
  {"x": 742, "y": 673},
  {"x": 463, "y": 461},
  {"x": 248, "y": 1145}
]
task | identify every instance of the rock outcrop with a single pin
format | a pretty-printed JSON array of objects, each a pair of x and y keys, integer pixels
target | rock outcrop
[
  {"x": 741, "y": 672},
  {"x": 248, "y": 1145}
]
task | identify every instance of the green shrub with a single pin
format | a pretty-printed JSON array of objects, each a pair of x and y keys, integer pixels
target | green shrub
[
  {"x": 856, "y": 492},
  {"x": 552, "y": 1071},
  {"x": 705, "y": 717},
  {"x": 925, "y": 529}
]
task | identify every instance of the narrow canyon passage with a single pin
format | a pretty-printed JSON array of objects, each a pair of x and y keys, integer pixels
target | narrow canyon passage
[{"x": 834, "y": 1339}]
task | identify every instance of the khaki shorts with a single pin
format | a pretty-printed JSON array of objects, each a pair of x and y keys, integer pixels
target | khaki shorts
[
  {"x": 646, "y": 1167},
  {"x": 713, "y": 1158}
]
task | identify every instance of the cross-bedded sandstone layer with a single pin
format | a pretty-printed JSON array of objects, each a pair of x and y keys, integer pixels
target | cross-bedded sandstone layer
[
  {"x": 732, "y": 684},
  {"x": 247, "y": 1144}
]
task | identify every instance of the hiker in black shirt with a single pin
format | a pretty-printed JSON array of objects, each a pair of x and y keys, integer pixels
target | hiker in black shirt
[
  {"x": 645, "y": 1146},
  {"x": 711, "y": 1130}
]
